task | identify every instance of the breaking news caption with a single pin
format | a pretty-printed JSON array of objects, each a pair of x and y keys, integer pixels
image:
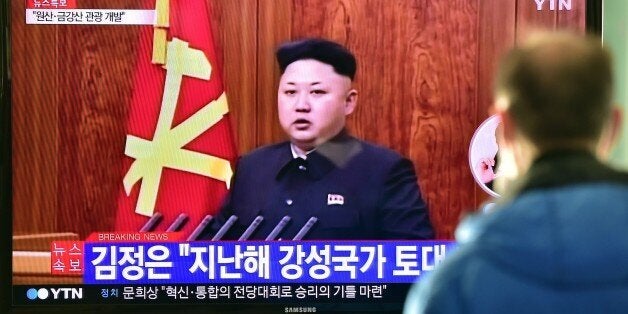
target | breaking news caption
[{"x": 119, "y": 271}]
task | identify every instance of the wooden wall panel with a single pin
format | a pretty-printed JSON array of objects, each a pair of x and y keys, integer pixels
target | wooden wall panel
[
  {"x": 496, "y": 34},
  {"x": 93, "y": 101},
  {"x": 417, "y": 85},
  {"x": 275, "y": 17},
  {"x": 236, "y": 49},
  {"x": 574, "y": 19},
  {"x": 75, "y": 81},
  {"x": 35, "y": 125},
  {"x": 529, "y": 19}
]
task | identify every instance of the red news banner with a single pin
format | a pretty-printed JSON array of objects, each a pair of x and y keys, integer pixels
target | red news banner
[{"x": 51, "y": 4}]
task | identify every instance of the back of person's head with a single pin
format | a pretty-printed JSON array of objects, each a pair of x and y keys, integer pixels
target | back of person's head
[
  {"x": 325, "y": 51},
  {"x": 559, "y": 88}
]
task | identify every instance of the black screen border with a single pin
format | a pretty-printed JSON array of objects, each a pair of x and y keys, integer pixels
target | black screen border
[
  {"x": 593, "y": 24},
  {"x": 6, "y": 193}
]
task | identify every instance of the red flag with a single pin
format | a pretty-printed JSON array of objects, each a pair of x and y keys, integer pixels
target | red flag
[{"x": 179, "y": 147}]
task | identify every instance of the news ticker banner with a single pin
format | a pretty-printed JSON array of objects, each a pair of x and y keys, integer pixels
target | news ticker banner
[
  {"x": 255, "y": 262},
  {"x": 210, "y": 293}
]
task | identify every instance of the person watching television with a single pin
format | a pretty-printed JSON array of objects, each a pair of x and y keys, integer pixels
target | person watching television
[{"x": 557, "y": 240}]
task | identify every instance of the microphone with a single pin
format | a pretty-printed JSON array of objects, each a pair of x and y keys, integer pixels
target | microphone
[
  {"x": 178, "y": 223},
  {"x": 201, "y": 226},
  {"x": 305, "y": 229},
  {"x": 152, "y": 222},
  {"x": 225, "y": 228},
  {"x": 247, "y": 233},
  {"x": 282, "y": 224}
]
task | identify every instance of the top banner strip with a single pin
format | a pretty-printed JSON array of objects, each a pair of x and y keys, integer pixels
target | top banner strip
[{"x": 90, "y": 17}]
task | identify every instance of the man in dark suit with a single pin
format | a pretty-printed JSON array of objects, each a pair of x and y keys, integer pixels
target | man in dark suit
[{"x": 354, "y": 189}]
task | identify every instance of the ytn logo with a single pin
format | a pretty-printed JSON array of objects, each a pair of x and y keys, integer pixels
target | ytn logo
[
  {"x": 55, "y": 293},
  {"x": 562, "y": 5}
]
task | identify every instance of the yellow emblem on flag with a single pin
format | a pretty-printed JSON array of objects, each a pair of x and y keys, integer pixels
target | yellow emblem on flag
[{"x": 165, "y": 149}]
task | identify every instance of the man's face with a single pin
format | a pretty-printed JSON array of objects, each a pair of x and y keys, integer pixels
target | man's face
[{"x": 313, "y": 102}]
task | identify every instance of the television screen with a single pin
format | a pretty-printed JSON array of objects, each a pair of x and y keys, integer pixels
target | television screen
[{"x": 127, "y": 121}]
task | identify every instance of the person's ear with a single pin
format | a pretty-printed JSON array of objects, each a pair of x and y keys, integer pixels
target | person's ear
[
  {"x": 610, "y": 133},
  {"x": 506, "y": 132},
  {"x": 351, "y": 101},
  {"x": 507, "y": 170}
]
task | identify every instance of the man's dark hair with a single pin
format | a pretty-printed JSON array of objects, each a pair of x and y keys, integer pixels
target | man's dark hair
[
  {"x": 559, "y": 86},
  {"x": 325, "y": 51}
]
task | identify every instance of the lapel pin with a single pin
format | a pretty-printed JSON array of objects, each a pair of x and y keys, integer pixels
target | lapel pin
[{"x": 335, "y": 199}]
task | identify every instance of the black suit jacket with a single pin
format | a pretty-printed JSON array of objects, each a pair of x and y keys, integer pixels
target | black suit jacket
[{"x": 356, "y": 190}]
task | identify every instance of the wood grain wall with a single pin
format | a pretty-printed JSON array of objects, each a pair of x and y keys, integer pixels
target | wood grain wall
[{"x": 424, "y": 78}]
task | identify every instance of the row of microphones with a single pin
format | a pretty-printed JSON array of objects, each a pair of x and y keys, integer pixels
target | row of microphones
[
  {"x": 278, "y": 228},
  {"x": 273, "y": 235},
  {"x": 183, "y": 218},
  {"x": 177, "y": 225},
  {"x": 305, "y": 229},
  {"x": 156, "y": 218},
  {"x": 251, "y": 228}
]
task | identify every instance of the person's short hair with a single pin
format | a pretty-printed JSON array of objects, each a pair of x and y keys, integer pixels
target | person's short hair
[
  {"x": 325, "y": 51},
  {"x": 559, "y": 86}
]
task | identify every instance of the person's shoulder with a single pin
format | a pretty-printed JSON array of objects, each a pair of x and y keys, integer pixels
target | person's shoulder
[
  {"x": 271, "y": 156},
  {"x": 572, "y": 197},
  {"x": 378, "y": 152},
  {"x": 443, "y": 290},
  {"x": 568, "y": 208},
  {"x": 267, "y": 151}
]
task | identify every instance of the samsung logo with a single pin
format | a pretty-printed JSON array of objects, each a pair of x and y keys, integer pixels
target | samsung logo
[{"x": 55, "y": 293}]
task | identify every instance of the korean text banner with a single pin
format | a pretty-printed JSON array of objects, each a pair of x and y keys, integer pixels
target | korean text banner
[{"x": 262, "y": 262}]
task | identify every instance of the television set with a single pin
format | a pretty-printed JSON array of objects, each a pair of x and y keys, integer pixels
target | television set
[{"x": 94, "y": 221}]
